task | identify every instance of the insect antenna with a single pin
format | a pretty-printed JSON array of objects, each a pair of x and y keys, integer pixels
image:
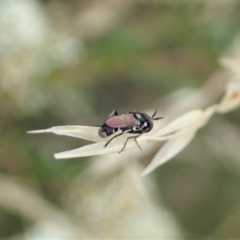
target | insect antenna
[
  {"x": 154, "y": 114},
  {"x": 157, "y": 118}
]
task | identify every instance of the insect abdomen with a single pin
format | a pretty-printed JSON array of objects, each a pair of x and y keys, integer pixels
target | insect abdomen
[{"x": 105, "y": 131}]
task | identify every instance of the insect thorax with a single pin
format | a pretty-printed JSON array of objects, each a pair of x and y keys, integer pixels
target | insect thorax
[{"x": 146, "y": 123}]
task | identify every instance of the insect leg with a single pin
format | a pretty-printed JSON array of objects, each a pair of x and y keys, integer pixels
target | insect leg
[
  {"x": 128, "y": 130},
  {"x": 114, "y": 113},
  {"x": 113, "y": 138},
  {"x": 135, "y": 139}
]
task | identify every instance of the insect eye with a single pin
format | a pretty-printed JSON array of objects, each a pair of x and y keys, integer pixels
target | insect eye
[{"x": 150, "y": 125}]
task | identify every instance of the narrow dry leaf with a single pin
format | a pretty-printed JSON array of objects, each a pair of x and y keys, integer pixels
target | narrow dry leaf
[
  {"x": 231, "y": 99},
  {"x": 167, "y": 137},
  {"x": 187, "y": 120},
  {"x": 85, "y": 132},
  {"x": 170, "y": 149},
  {"x": 98, "y": 149}
]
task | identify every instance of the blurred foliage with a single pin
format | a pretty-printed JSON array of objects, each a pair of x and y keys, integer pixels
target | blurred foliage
[{"x": 150, "y": 49}]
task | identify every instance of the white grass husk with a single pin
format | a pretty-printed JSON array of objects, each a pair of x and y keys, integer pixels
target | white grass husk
[
  {"x": 231, "y": 100},
  {"x": 170, "y": 149},
  {"x": 84, "y": 132}
]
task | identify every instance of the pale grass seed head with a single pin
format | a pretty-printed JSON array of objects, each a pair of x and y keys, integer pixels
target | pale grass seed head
[{"x": 177, "y": 134}]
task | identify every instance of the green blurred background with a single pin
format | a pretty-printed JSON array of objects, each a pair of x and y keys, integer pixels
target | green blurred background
[{"x": 73, "y": 62}]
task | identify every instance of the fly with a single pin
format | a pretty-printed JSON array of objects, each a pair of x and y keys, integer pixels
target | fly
[{"x": 131, "y": 122}]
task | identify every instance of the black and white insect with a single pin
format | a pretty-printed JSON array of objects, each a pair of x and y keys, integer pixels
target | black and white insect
[{"x": 131, "y": 122}]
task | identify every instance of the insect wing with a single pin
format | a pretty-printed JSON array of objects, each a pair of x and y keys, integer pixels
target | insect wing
[{"x": 122, "y": 121}]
